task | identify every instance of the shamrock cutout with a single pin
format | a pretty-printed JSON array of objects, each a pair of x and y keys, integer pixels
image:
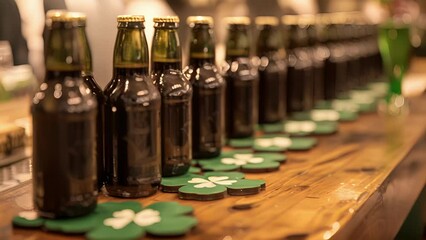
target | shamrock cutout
[
  {"x": 302, "y": 127},
  {"x": 211, "y": 185},
  {"x": 124, "y": 220},
  {"x": 243, "y": 161},
  {"x": 345, "y": 105},
  {"x": 274, "y": 143},
  {"x": 324, "y": 115},
  {"x": 280, "y": 143}
]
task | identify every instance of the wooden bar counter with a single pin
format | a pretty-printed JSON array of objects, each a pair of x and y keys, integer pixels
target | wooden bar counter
[{"x": 357, "y": 184}]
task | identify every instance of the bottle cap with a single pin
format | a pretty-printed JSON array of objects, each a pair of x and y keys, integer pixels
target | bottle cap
[
  {"x": 130, "y": 18},
  {"x": 60, "y": 15},
  {"x": 167, "y": 19},
  {"x": 200, "y": 20},
  {"x": 267, "y": 20},
  {"x": 237, "y": 20}
]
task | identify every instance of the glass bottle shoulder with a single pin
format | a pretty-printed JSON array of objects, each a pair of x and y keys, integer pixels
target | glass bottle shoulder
[
  {"x": 240, "y": 68},
  {"x": 172, "y": 83},
  {"x": 132, "y": 90},
  {"x": 67, "y": 95},
  {"x": 205, "y": 76}
]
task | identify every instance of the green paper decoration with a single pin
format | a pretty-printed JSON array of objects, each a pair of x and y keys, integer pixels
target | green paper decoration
[
  {"x": 119, "y": 220},
  {"x": 211, "y": 185},
  {"x": 274, "y": 143},
  {"x": 301, "y": 128},
  {"x": 245, "y": 162}
]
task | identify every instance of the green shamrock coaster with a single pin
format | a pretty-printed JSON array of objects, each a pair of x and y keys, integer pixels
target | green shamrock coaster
[
  {"x": 195, "y": 170},
  {"x": 275, "y": 143},
  {"x": 366, "y": 99},
  {"x": 380, "y": 89},
  {"x": 301, "y": 128},
  {"x": 123, "y": 220},
  {"x": 212, "y": 185},
  {"x": 326, "y": 115},
  {"x": 280, "y": 143},
  {"x": 245, "y": 162}
]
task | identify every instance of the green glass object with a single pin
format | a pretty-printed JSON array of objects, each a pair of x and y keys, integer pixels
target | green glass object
[{"x": 394, "y": 45}]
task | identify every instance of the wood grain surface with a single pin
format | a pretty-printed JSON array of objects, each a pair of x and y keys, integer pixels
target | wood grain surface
[{"x": 357, "y": 184}]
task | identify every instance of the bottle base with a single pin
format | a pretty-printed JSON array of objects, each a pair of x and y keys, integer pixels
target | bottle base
[{"x": 131, "y": 191}]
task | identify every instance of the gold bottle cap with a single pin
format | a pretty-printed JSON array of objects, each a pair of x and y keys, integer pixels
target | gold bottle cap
[
  {"x": 130, "y": 18},
  {"x": 199, "y": 19},
  {"x": 60, "y": 15},
  {"x": 237, "y": 20},
  {"x": 75, "y": 16},
  {"x": 55, "y": 13},
  {"x": 290, "y": 19},
  {"x": 267, "y": 20},
  {"x": 167, "y": 19}
]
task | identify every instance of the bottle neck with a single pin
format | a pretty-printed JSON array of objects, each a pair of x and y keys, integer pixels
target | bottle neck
[
  {"x": 166, "y": 50},
  {"x": 238, "y": 43},
  {"x": 269, "y": 41},
  {"x": 163, "y": 66},
  {"x": 202, "y": 48},
  {"x": 87, "y": 55},
  {"x": 53, "y": 75},
  {"x": 63, "y": 48},
  {"x": 130, "y": 71},
  {"x": 131, "y": 49}
]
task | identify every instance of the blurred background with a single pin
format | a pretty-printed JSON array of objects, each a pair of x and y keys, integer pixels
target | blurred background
[{"x": 22, "y": 24}]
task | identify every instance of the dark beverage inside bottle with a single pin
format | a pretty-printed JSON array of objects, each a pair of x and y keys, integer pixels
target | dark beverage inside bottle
[
  {"x": 176, "y": 97},
  {"x": 241, "y": 81},
  {"x": 320, "y": 53},
  {"x": 208, "y": 86},
  {"x": 272, "y": 71},
  {"x": 97, "y": 92},
  {"x": 335, "y": 73},
  {"x": 300, "y": 74},
  {"x": 132, "y": 116},
  {"x": 64, "y": 125}
]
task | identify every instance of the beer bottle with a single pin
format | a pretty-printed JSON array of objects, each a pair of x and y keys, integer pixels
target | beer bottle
[
  {"x": 64, "y": 125},
  {"x": 335, "y": 73},
  {"x": 97, "y": 92},
  {"x": 241, "y": 81},
  {"x": 208, "y": 101},
  {"x": 132, "y": 116},
  {"x": 320, "y": 53},
  {"x": 272, "y": 71},
  {"x": 176, "y": 97},
  {"x": 300, "y": 76}
]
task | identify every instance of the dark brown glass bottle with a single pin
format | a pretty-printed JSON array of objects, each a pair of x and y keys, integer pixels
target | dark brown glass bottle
[
  {"x": 335, "y": 73},
  {"x": 300, "y": 75},
  {"x": 176, "y": 97},
  {"x": 241, "y": 81},
  {"x": 320, "y": 53},
  {"x": 208, "y": 86},
  {"x": 132, "y": 116},
  {"x": 64, "y": 125},
  {"x": 97, "y": 92},
  {"x": 272, "y": 71}
]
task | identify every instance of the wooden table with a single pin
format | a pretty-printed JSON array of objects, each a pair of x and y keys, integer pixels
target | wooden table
[{"x": 357, "y": 184}]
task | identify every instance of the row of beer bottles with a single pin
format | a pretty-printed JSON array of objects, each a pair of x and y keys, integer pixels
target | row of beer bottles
[
  {"x": 148, "y": 124},
  {"x": 141, "y": 121}
]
